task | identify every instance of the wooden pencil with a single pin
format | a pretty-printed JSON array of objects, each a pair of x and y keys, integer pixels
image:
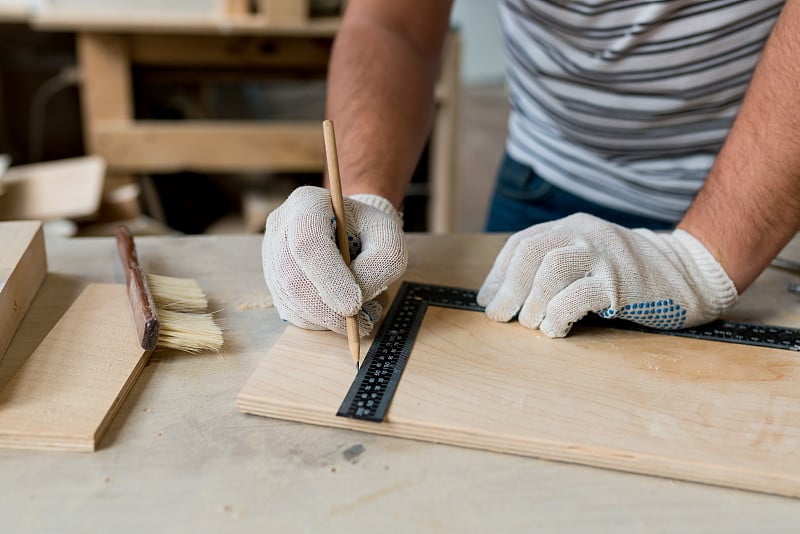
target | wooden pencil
[{"x": 332, "y": 159}]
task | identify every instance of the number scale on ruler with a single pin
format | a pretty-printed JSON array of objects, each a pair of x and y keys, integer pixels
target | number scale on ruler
[{"x": 372, "y": 390}]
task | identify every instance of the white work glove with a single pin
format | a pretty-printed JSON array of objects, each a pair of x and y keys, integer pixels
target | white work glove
[
  {"x": 310, "y": 284},
  {"x": 554, "y": 273}
]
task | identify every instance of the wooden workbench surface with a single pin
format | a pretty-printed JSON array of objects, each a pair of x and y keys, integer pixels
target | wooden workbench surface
[{"x": 180, "y": 457}]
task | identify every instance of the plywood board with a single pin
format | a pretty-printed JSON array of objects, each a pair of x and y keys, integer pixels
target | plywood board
[
  {"x": 23, "y": 266},
  {"x": 66, "y": 393},
  {"x": 63, "y": 189},
  {"x": 703, "y": 411}
]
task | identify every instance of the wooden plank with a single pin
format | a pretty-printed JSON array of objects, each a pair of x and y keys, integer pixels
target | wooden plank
[
  {"x": 229, "y": 51},
  {"x": 92, "y": 21},
  {"x": 717, "y": 413},
  {"x": 66, "y": 393},
  {"x": 69, "y": 188},
  {"x": 105, "y": 69},
  {"x": 285, "y": 12},
  {"x": 159, "y": 146},
  {"x": 106, "y": 92},
  {"x": 23, "y": 266},
  {"x": 444, "y": 140}
]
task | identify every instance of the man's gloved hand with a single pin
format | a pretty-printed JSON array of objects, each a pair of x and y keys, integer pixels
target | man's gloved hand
[
  {"x": 310, "y": 284},
  {"x": 553, "y": 274}
]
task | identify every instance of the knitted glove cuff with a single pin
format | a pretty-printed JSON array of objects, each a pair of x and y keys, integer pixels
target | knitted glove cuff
[
  {"x": 718, "y": 283},
  {"x": 377, "y": 201}
]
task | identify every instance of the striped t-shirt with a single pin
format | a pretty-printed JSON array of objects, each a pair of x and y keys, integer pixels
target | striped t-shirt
[{"x": 626, "y": 102}]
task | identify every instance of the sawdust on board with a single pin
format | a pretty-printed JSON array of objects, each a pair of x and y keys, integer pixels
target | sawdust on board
[{"x": 254, "y": 302}]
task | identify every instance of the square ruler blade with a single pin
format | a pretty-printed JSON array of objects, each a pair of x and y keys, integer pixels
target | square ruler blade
[{"x": 373, "y": 387}]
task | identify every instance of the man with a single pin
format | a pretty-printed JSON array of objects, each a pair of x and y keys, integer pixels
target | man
[{"x": 621, "y": 107}]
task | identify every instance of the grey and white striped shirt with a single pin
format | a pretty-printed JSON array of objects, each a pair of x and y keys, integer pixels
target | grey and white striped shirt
[{"x": 627, "y": 102}]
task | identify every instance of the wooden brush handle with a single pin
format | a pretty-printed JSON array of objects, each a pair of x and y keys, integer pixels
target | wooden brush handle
[{"x": 142, "y": 305}]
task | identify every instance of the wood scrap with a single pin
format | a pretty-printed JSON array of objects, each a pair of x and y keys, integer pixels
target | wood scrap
[
  {"x": 63, "y": 189},
  {"x": 23, "y": 266},
  {"x": 67, "y": 392}
]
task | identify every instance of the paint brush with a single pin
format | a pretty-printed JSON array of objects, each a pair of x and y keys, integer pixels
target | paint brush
[
  {"x": 332, "y": 159},
  {"x": 168, "y": 312}
]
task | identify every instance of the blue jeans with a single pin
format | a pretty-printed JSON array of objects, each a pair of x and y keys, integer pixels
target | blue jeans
[{"x": 522, "y": 199}]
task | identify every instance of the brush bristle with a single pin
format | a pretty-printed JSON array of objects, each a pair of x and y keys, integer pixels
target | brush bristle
[
  {"x": 189, "y": 332},
  {"x": 177, "y": 294},
  {"x": 181, "y": 305}
]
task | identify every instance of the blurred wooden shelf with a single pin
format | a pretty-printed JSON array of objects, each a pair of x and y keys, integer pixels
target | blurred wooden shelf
[
  {"x": 261, "y": 17},
  {"x": 154, "y": 23},
  {"x": 280, "y": 36}
]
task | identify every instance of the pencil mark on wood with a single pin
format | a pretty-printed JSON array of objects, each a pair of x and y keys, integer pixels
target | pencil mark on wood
[{"x": 351, "y": 454}]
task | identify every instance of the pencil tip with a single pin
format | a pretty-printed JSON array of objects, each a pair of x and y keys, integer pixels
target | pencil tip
[{"x": 358, "y": 367}]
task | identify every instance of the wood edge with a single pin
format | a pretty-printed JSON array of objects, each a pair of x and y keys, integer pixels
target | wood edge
[
  {"x": 32, "y": 270},
  {"x": 120, "y": 399},
  {"x": 769, "y": 483},
  {"x": 48, "y": 443}
]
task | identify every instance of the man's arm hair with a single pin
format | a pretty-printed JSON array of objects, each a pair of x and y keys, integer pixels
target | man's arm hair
[
  {"x": 383, "y": 68},
  {"x": 749, "y": 207}
]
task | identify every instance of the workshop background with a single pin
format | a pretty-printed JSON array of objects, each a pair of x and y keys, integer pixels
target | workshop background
[{"x": 46, "y": 61}]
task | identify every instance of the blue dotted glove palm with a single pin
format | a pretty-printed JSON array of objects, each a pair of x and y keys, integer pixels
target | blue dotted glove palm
[{"x": 552, "y": 274}]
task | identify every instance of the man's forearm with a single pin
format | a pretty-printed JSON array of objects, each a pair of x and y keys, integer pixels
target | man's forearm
[
  {"x": 380, "y": 94},
  {"x": 749, "y": 207}
]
